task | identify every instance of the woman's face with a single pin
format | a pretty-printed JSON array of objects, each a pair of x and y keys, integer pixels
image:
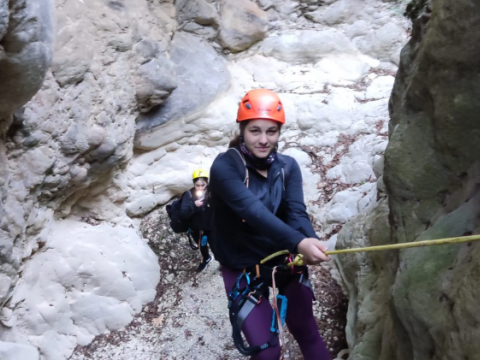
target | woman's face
[
  {"x": 200, "y": 185},
  {"x": 261, "y": 137}
]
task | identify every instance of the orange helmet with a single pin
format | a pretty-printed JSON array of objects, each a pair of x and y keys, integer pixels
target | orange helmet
[{"x": 261, "y": 104}]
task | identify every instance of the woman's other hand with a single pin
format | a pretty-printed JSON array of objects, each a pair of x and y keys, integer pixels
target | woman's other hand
[
  {"x": 199, "y": 203},
  {"x": 313, "y": 251}
]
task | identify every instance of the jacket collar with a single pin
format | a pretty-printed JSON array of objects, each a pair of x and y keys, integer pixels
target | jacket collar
[{"x": 274, "y": 170}]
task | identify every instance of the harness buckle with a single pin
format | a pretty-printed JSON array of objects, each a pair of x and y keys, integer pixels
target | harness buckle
[{"x": 253, "y": 299}]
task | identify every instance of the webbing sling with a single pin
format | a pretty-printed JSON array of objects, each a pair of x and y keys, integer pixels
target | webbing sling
[{"x": 250, "y": 296}]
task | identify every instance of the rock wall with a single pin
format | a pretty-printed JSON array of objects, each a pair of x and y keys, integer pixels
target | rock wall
[
  {"x": 133, "y": 97},
  {"x": 26, "y": 34},
  {"x": 420, "y": 303},
  {"x": 67, "y": 143}
]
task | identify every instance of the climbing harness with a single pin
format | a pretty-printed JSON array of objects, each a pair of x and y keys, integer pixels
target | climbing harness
[
  {"x": 248, "y": 297},
  {"x": 259, "y": 278},
  {"x": 242, "y": 300}
]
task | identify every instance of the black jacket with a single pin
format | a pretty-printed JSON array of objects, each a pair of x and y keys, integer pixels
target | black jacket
[
  {"x": 200, "y": 216},
  {"x": 268, "y": 216}
]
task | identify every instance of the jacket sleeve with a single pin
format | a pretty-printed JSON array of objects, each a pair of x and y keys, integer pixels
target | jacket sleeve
[
  {"x": 296, "y": 210},
  {"x": 187, "y": 207},
  {"x": 228, "y": 185}
]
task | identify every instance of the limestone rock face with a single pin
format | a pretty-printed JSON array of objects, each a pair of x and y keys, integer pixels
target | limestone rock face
[
  {"x": 65, "y": 145},
  {"x": 422, "y": 304},
  {"x": 26, "y": 34}
]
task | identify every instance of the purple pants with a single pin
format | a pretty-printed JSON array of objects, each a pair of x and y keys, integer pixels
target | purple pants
[{"x": 300, "y": 321}]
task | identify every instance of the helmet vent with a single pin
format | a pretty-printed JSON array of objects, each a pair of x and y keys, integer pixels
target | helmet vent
[
  {"x": 279, "y": 107},
  {"x": 249, "y": 107}
]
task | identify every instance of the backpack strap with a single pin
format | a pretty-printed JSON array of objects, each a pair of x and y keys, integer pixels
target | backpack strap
[
  {"x": 242, "y": 163},
  {"x": 285, "y": 170}
]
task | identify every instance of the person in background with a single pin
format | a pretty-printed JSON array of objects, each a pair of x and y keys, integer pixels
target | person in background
[{"x": 195, "y": 207}]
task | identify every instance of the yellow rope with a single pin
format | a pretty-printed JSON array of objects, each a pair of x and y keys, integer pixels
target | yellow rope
[
  {"x": 455, "y": 240},
  {"x": 278, "y": 253}
]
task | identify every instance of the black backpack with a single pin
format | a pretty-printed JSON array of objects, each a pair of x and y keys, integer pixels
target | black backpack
[{"x": 179, "y": 225}]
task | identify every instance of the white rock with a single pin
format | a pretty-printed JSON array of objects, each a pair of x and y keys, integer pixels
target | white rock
[
  {"x": 310, "y": 180},
  {"x": 358, "y": 28},
  {"x": 332, "y": 242},
  {"x": 12, "y": 351},
  {"x": 384, "y": 43},
  {"x": 307, "y": 45},
  {"x": 89, "y": 281},
  {"x": 303, "y": 159},
  {"x": 378, "y": 163},
  {"x": 356, "y": 166},
  {"x": 381, "y": 87},
  {"x": 351, "y": 172},
  {"x": 347, "y": 66},
  {"x": 5, "y": 283}
]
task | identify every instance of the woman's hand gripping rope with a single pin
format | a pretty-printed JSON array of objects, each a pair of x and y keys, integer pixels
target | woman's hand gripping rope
[{"x": 311, "y": 252}]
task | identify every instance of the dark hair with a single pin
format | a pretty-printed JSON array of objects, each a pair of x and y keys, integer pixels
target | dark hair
[
  {"x": 235, "y": 142},
  {"x": 200, "y": 178}
]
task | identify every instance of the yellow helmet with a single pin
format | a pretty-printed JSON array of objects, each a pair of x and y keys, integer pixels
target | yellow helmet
[{"x": 199, "y": 173}]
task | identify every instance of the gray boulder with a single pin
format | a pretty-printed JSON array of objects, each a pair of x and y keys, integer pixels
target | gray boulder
[
  {"x": 26, "y": 37},
  {"x": 155, "y": 81},
  {"x": 243, "y": 23},
  {"x": 198, "y": 11},
  {"x": 201, "y": 74},
  {"x": 147, "y": 49}
]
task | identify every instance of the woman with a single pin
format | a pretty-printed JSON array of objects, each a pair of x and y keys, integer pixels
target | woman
[
  {"x": 259, "y": 210},
  {"x": 195, "y": 208}
]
